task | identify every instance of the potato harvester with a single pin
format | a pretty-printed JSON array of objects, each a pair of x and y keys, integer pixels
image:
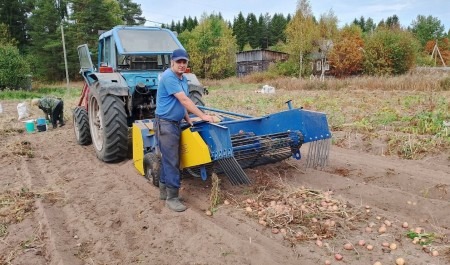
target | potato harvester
[{"x": 238, "y": 141}]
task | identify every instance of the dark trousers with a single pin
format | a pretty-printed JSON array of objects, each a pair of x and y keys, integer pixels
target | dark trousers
[
  {"x": 168, "y": 135},
  {"x": 58, "y": 114}
]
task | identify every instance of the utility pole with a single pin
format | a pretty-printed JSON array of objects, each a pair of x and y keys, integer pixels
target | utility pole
[
  {"x": 65, "y": 54},
  {"x": 63, "y": 42}
]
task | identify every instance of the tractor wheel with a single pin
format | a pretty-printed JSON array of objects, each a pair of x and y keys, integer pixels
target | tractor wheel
[
  {"x": 109, "y": 130},
  {"x": 81, "y": 126},
  {"x": 196, "y": 97},
  {"x": 195, "y": 94},
  {"x": 152, "y": 165}
]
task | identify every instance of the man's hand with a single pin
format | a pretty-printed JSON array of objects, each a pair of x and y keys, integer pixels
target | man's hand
[{"x": 210, "y": 118}]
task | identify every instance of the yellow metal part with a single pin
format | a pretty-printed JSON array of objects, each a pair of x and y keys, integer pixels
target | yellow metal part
[
  {"x": 139, "y": 130},
  {"x": 193, "y": 150}
]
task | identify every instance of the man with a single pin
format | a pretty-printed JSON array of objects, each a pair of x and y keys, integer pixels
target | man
[
  {"x": 52, "y": 107},
  {"x": 172, "y": 105}
]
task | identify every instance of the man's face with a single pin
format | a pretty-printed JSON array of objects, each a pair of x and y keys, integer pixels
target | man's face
[{"x": 179, "y": 66}]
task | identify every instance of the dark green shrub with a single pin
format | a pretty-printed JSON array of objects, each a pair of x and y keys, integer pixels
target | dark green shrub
[
  {"x": 390, "y": 52},
  {"x": 14, "y": 69}
]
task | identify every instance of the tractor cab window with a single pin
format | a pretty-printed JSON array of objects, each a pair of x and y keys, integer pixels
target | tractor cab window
[
  {"x": 105, "y": 52},
  {"x": 151, "y": 41},
  {"x": 143, "y": 62}
]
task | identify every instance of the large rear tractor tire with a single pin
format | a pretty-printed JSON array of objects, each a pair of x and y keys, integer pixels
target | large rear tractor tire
[
  {"x": 109, "y": 129},
  {"x": 195, "y": 95},
  {"x": 81, "y": 126},
  {"x": 152, "y": 166}
]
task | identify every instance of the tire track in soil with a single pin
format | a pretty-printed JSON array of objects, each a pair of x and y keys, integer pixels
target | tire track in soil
[
  {"x": 118, "y": 218},
  {"x": 108, "y": 214}
]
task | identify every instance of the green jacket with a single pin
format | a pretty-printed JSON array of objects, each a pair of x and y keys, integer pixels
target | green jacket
[{"x": 48, "y": 105}]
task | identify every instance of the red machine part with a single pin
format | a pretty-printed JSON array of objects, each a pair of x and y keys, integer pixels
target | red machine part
[{"x": 84, "y": 97}]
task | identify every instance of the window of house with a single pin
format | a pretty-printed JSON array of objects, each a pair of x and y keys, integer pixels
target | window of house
[{"x": 319, "y": 65}]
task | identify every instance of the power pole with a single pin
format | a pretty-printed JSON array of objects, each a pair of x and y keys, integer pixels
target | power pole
[
  {"x": 65, "y": 54},
  {"x": 61, "y": 13}
]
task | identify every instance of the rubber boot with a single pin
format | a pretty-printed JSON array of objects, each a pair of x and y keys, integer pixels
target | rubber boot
[
  {"x": 173, "y": 202},
  {"x": 162, "y": 191}
]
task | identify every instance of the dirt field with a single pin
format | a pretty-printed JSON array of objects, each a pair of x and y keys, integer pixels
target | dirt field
[{"x": 60, "y": 205}]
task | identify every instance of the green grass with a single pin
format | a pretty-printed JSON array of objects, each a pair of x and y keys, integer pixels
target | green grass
[
  {"x": 411, "y": 120},
  {"x": 60, "y": 92}
]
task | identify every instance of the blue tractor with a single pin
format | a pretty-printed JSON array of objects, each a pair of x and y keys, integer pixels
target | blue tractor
[{"x": 122, "y": 88}]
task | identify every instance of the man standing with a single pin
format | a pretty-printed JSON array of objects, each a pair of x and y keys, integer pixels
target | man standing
[
  {"x": 172, "y": 105},
  {"x": 52, "y": 107}
]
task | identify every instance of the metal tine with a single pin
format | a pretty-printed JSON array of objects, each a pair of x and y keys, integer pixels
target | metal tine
[
  {"x": 328, "y": 151},
  {"x": 323, "y": 155},
  {"x": 228, "y": 170},
  {"x": 324, "y": 151},
  {"x": 316, "y": 154},
  {"x": 326, "y": 144},
  {"x": 319, "y": 153},
  {"x": 311, "y": 154},
  {"x": 308, "y": 158},
  {"x": 223, "y": 163},
  {"x": 234, "y": 171},
  {"x": 238, "y": 172}
]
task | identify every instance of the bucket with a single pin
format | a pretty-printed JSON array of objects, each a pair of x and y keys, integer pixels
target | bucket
[
  {"x": 41, "y": 124},
  {"x": 42, "y": 127},
  {"x": 41, "y": 121},
  {"x": 29, "y": 126}
]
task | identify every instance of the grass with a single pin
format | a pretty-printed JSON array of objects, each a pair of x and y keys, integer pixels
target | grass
[
  {"x": 411, "y": 109},
  {"x": 55, "y": 90},
  {"x": 214, "y": 197}
]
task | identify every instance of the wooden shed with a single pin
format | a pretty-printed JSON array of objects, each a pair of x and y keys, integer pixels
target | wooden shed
[{"x": 257, "y": 61}]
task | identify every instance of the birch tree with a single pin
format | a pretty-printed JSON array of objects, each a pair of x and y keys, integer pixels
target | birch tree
[{"x": 301, "y": 31}]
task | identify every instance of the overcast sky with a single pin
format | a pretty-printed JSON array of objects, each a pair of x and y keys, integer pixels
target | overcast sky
[{"x": 345, "y": 10}]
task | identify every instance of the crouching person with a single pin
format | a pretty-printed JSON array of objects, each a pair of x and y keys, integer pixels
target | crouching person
[{"x": 53, "y": 109}]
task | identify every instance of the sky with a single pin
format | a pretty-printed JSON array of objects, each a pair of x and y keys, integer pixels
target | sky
[{"x": 345, "y": 10}]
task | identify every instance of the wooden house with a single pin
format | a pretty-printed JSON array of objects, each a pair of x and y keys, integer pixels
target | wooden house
[{"x": 257, "y": 61}]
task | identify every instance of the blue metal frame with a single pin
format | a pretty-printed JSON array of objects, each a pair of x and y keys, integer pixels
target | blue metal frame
[{"x": 301, "y": 126}]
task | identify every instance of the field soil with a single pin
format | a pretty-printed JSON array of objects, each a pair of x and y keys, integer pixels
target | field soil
[{"x": 60, "y": 205}]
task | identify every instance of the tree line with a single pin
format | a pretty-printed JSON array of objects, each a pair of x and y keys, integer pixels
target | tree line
[{"x": 31, "y": 39}]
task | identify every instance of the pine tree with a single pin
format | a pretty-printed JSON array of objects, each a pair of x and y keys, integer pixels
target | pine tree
[
  {"x": 253, "y": 31},
  {"x": 184, "y": 24},
  {"x": 90, "y": 17},
  {"x": 46, "y": 46},
  {"x": 263, "y": 22},
  {"x": 132, "y": 13},
  {"x": 14, "y": 15},
  {"x": 277, "y": 29},
  {"x": 240, "y": 31}
]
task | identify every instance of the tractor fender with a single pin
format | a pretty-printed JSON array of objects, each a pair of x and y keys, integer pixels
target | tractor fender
[{"x": 109, "y": 84}]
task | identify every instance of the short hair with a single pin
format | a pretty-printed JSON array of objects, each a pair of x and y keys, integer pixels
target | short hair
[{"x": 35, "y": 101}]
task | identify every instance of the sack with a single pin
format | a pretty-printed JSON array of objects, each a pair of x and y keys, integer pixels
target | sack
[{"x": 22, "y": 109}]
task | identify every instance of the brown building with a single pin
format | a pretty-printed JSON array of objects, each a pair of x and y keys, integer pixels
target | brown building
[{"x": 257, "y": 61}]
